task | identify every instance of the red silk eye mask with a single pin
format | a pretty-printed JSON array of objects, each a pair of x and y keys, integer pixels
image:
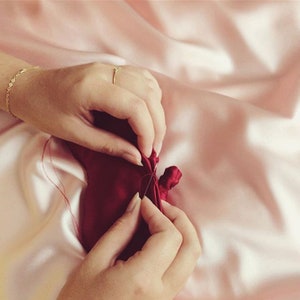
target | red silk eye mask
[{"x": 111, "y": 184}]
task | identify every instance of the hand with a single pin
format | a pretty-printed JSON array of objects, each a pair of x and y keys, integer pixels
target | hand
[
  {"x": 157, "y": 272},
  {"x": 59, "y": 102}
]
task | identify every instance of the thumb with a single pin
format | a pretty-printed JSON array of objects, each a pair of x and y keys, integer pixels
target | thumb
[
  {"x": 113, "y": 242},
  {"x": 106, "y": 142}
]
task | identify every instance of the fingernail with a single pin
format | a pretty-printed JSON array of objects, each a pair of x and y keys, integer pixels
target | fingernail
[
  {"x": 145, "y": 149},
  {"x": 133, "y": 203},
  {"x": 148, "y": 152},
  {"x": 133, "y": 159},
  {"x": 147, "y": 198},
  {"x": 157, "y": 148},
  {"x": 139, "y": 163}
]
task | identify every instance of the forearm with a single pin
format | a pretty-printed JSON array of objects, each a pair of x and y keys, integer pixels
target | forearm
[{"x": 9, "y": 66}]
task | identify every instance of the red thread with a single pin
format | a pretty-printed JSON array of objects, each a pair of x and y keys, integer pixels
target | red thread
[
  {"x": 151, "y": 177},
  {"x": 60, "y": 187}
]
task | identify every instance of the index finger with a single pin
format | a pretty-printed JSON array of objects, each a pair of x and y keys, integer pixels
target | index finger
[
  {"x": 161, "y": 248},
  {"x": 123, "y": 104},
  {"x": 143, "y": 84}
]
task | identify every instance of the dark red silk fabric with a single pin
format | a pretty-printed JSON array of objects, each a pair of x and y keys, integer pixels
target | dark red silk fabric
[{"x": 112, "y": 182}]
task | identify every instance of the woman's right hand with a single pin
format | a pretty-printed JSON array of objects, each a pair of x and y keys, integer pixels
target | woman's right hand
[{"x": 157, "y": 272}]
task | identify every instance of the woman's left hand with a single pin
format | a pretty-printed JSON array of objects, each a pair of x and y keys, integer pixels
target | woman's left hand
[{"x": 60, "y": 102}]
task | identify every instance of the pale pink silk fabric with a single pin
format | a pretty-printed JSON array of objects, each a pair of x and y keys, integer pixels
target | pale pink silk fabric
[{"x": 229, "y": 72}]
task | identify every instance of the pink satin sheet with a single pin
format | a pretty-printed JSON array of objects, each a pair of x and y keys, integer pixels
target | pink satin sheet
[{"x": 230, "y": 73}]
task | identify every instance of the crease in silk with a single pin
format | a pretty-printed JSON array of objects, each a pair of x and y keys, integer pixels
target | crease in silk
[{"x": 229, "y": 72}]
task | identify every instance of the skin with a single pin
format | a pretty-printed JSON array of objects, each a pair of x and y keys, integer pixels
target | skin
[
  {"x": 69, "y": 94},
  {"x": 157, "y": 272},
  {"x": 59, "y": 102}
]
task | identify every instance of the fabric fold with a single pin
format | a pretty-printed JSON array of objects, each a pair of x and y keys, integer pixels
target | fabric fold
[{"x": 111, "y": 184}]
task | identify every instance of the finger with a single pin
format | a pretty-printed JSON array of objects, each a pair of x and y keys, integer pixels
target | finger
[
  {"x": 123, "y": 104},
  {"x": 143, "y": 84},
  {"x": 189, "y": 252},
  {"x": 161, "y": 248},
  {"x": 158, "y": 117},
  {"x": 104, "y": 141},
  {"x": 105, "y": 253}
]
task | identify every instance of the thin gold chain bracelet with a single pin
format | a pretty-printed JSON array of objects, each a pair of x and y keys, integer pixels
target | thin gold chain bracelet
[{"x": 11, "y": 85}]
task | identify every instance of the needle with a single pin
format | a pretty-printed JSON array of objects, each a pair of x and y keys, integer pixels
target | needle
[{"x": 148, "y": 183}]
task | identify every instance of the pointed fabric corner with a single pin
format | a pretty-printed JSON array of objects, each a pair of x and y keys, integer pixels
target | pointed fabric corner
[{"x": 111, "y": 184}]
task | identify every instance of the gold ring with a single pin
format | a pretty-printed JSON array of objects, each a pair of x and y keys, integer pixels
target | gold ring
[{"x": 115, "y": 71}]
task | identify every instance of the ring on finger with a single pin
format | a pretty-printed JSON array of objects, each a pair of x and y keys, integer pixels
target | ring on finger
[{"x": 115, "y": 71}]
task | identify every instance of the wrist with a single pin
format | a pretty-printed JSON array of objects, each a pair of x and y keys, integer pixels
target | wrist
[{"x": 16, "y": 90}]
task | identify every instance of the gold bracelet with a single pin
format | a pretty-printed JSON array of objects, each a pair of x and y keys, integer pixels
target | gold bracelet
[{"x": 10, "y": 86}]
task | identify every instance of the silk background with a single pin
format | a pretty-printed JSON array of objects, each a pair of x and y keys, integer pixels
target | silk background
[{"x": 229, "y": 72}]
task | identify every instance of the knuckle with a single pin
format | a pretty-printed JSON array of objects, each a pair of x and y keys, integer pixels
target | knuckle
[
  {"x": 138, "y": 106},
  {"x": 179, "y": 213},
  {"x": 107, "y": 148},
  {"x": 85, "y": 76},
  {"x": 175, "y": 236},
  {"x": 151, "y": 83},
  {"x": 153, "y": 92},
  {"x": 145, "y": 284},
  {"x": 141, "y": 284},
  {"x": 79, "y": 87},
  {"x": 153, "y": 87}
]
